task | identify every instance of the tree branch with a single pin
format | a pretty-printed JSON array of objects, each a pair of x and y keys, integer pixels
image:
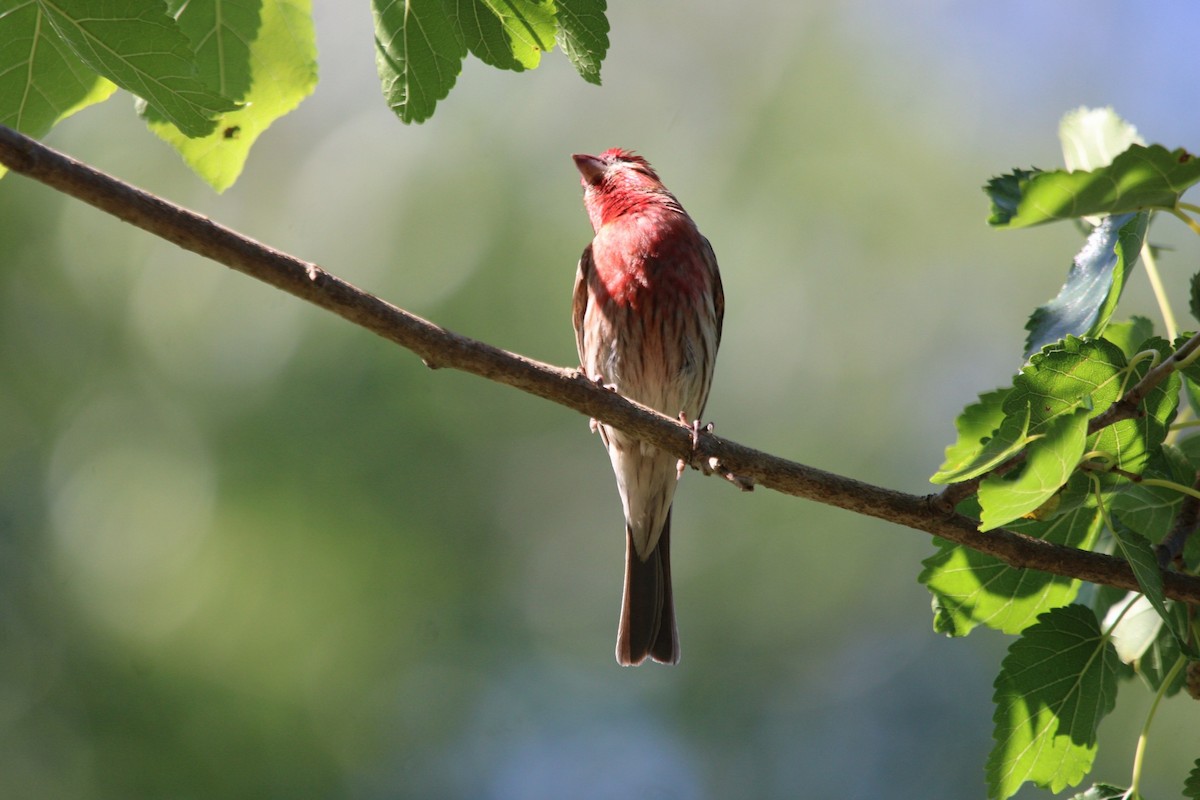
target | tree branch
[{"x": 439, "y": 347}]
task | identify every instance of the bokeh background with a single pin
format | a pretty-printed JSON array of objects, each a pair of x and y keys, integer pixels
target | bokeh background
[{"x": 247, "y": 550}]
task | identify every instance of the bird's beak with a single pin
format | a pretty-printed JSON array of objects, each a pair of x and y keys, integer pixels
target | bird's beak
[{"x": 590, "y": 167}]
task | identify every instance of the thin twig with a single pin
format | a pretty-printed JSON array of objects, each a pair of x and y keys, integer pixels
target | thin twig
[
  {"x": 1186, "y": 519},
  {"x": 439, "y": 347}
]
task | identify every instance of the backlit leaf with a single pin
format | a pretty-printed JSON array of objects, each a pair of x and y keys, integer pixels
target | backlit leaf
[
  {"x": 1139, "y": 179},
  {"x": 1056, "y": 684}
]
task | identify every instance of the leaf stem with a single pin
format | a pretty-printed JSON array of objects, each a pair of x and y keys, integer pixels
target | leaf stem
[
  {"x": 1160, "y": 294},
  {"x": 1179, "y": 487},
  {"x": 1187, "y": 360},
  {"x": 1191, "y": 223},
  {"x": 1140, "y": 753},
  {"x": 1153, "y": 356}
]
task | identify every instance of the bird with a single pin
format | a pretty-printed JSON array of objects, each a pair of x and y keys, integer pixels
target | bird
[{"x": 648, "y": 308}]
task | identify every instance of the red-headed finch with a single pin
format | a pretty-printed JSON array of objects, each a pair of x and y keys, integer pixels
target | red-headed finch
[{"x": 648, "y": 307}]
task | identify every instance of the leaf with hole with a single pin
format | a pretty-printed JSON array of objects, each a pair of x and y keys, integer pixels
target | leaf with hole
[{"x": 263, "y": 58}]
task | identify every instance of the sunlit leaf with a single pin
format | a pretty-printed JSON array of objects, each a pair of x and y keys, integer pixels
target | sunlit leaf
[
  {"x": 1139, "y": 179},
  {"x": 264, "y": 58},
  {"x": 1132, "y": 442},
  {"x": 509, "y": 34},
  {"x": 986, "y": 437},
  {"x": 1056, "y": 380},
  {"x": 1128, "y": 334},
  {"x": 1050, "y": 458},
  {"x": 1093, "y": 137},
  {"x": 1056, "y": 684},
  {"x": 971, "y": 588}
]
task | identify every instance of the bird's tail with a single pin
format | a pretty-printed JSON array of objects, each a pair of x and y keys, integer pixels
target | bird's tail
[{"x": 648, "y": 611}]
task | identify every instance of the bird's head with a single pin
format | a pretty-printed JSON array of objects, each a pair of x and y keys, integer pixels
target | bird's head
[{"x": 615, "y": 182}]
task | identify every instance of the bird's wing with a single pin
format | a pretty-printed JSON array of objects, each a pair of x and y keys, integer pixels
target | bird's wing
[
  {"x": 580, "y": 298},
  {"x": 710, "y": 259}
]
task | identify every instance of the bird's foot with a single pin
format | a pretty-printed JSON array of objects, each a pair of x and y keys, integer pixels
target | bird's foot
[
  {"x": 711, "y": 465},
  {"x": 598, "y": 381},
  {"x": 696, "y": 428}
]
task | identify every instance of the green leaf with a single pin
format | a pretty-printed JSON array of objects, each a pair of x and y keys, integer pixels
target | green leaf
[
  {"x": 1056, "y": 684},
  {"x": 1132, "y": 442},
  {"x": 1061, "y": 388},
  {"x": 1095, "y": 371},
  {"x": 265, "y": 59},
  {"x": 509, "y": 34},
  {"x": 418, "y": 52},
  {"x": 1194, "y": 297},
  {"x": 1050, "y": 458},
  {"x": 1102, "y": 791},
  {"x": 1005, "y": 192},
  {"x": 1192, "y": 370},
  {"x": 1139, "y": 179},
  {"x": 583, "y": 35},
  {"x": 1129, "y": 334},
  {"x": 1191, "y": 379},
  {"x": 986, "y": 438},
  {"x": 1140, "y": 555},
  {"x": 42, "y": 81},
  {"x": 1060, "y": 377},
  {"x": 1094, "y": 283},
  {"x": 1093, "y": 137},
  {"x": 139, "y": 47},
  {"x": 1136, "y": 550},
  {"x": 1190, "y": 447},
  {"x": 1149, "y": 510},
  {"x": 1191, "y": 787},
  {"x": 971, "y": 588},
  {"x": 220, "y": 32}
]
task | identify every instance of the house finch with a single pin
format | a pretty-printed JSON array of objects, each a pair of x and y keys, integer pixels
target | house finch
[{"x": 648, "y": 307}]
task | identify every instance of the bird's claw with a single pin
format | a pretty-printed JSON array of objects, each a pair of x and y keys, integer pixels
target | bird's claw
[
  {"x": 696, "y": 427},
  {"x": 598, "y": 381},
  {"x": 711, "y": 465}
]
